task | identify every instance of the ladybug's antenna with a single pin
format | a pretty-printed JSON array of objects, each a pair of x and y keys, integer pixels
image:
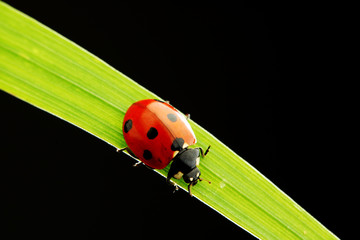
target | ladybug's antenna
[
  {"x": 201, "y": 179},
  {"x": 191, "y": 184}
]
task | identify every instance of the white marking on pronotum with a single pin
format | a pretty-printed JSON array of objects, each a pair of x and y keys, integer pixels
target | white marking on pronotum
[
  {"x": 178, "y": 175},
  {"x": 175, "y": 153},
  {"x": 197, "y": 161}
]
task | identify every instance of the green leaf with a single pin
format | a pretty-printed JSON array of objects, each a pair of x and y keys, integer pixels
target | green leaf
[{"x": 52, "y": 73}]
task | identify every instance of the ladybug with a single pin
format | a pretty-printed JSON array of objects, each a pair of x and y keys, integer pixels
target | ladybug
[{"x": 157, "y": 134}]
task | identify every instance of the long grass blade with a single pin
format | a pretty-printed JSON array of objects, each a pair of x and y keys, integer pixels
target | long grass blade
[{"x": 52, "y": 73}]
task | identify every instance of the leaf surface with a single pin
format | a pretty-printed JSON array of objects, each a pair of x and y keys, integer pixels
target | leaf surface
[{"x": 54, "y": 74}]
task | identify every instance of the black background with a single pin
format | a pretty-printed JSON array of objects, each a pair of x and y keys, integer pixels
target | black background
[{"x": 264, "y": 80}]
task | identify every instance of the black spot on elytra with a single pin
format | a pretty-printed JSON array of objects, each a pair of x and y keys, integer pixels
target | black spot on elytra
[
  {"x": 128, "y": 126},
  {"x": 147, "y": 154},
  {"x": 172, "y": 117},
  {"x": 177, "y": 144},
  {"x": 152, "y": 133}
]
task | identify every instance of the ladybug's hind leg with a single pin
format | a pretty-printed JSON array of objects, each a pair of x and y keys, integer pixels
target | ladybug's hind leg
[
  {"x": 128, "y": 150},
  {"x": 139, "y": 163},
  {"x": 121, "y": 149}
]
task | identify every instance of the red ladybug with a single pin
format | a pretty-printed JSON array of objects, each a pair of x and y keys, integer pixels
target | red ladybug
[{"x": 156, "y": 133}]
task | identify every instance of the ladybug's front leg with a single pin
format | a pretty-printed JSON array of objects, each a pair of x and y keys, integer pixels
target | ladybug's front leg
[
  {"x": 203, "y": 154},
  {"x": 171, "y": 183},
  {"x": 170, "y": 175},
  {"x": 174, "y": 172}
]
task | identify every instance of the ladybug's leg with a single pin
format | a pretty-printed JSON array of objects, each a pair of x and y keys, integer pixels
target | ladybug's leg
[
  {"x": 139, "y": 163},
  {"x": 187, "y": 116},
  {"x": 171, "y": 183},
  {"x": 172, "y": 172},
  {"x": 121, "y": 149},
  {"x": 128, "y": 150},
  {"x": 203, "y": 154}
]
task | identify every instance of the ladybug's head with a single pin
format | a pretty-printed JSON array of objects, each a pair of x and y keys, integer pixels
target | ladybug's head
[
  {"x": 185, "y": 165},
  {"x": 192, "y": 177}
]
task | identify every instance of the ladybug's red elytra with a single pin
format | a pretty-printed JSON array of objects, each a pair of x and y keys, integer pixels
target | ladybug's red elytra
[{"x": 156, "y": 134}]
